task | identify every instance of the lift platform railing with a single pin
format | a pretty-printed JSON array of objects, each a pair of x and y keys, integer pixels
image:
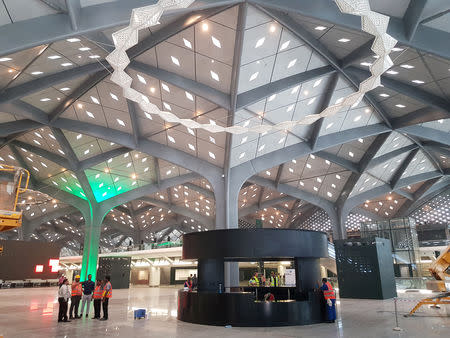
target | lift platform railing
[{"x": 10, "y": 189}]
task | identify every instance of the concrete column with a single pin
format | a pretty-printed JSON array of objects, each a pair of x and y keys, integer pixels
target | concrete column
[
  {"x": 93, "y": 228},
  {"x": 154, "y": 276},
  {"x": 210, "y": 274}
]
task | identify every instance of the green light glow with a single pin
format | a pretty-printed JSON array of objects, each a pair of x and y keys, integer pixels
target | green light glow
[{"x": 67, "y": 181}]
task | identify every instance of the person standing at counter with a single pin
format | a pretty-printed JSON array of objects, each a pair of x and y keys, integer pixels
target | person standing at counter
[
  {"x": 254, "y": 281},
  {"x": 330, "y": 297},
  {"x": 274, "y": 280}
]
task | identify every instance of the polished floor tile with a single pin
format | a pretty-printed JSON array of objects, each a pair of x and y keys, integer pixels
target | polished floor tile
[{"x": 33, "y": 313}]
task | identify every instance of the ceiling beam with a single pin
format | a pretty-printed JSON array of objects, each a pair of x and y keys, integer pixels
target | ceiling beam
[
  {"x": 199, "y": 89},
  {"x": 254, "y": 95},
  {"x": 401, "y": 169},
  {"x": 413, "y": 16},
  {"x": 403, "y": 88}
]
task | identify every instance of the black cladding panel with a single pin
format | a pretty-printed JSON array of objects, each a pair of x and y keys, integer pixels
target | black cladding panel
[
  {"x": 118, "y": 268},
  {"x": 365, "y": 268},
  {"x": 247, "y": 244}
]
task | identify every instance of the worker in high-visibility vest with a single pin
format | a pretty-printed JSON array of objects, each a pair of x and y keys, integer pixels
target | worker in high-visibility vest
[
  {"x": 98, "y": 295},
  {"x": 274, "y": 280},
  {"x": 330, "y": 298},
  {"x": 77, "y": 291},
  {"x": 107, "y": 294},
  {"x": 254, "y": 281}
]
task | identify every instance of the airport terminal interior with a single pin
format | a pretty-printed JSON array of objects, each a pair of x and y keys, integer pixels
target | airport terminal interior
[{"x": 228, "y": 168}]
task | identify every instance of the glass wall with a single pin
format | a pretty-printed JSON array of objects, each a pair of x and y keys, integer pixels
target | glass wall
[{"x": 405, "y": 245}]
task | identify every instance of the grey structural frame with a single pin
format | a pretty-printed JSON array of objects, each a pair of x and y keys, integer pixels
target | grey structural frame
[{"x": 226, "y": 182}]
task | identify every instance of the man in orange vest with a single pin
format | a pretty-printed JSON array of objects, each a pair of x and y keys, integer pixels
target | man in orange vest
[
  {"x": 107, "y": 294},
  {"x": 77, "y": 291},
  {"x": 330, "y": 298},
  {"x": 98, "y": 295}
]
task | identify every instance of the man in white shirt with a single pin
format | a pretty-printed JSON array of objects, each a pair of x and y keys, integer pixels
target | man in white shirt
[{"x": 64, "y": 293}]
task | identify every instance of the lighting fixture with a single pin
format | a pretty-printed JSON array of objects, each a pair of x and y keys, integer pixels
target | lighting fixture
[
  {"x": 187, "y": 43},
  {"x": 260, "y": 42},
  {"x": 253, "y": 76},
  {"x": 5, "y": 59},
  {"x": 344, "y": 40},
  {"x": 285, "y": 45},
  {"x": 214, "y": 75},
  {"x": 216, "y": 42},
  {"x": 406, "y": 66},
  {"x": 320, "y": 28}
]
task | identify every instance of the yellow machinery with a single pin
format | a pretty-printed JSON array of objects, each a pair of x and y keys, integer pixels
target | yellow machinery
[
  {"x": 439, "y": 270},
  {"x": 9, "y": 195}
]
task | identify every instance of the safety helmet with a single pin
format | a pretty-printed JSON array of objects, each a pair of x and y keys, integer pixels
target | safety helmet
[{"x": 77, "y": 276}]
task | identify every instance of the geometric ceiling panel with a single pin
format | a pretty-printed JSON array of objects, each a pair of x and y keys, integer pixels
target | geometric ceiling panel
[
  {"x": 394, "y": 141},
  {"x": 121, "y": 174},
  {"x": 365, "y": 182},
  {"x": 271, "y": 52},
  {"x": 385, "y": 171},
  {"x": 419, "y": 164},
  {"x": 66, "y": 181}
]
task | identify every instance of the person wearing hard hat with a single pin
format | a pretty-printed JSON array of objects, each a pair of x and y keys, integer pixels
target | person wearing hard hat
[{"x": 77, "y": 291}]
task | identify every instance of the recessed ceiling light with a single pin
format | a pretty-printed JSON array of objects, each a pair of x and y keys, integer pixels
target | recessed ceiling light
[
  {"x": 175, "y": 60},
  {"x": 114, "y": 96},
  {"x": 94, "y": 56},
  {"x": 45, "y": 99},
  {"x": 212, "y": 139},
  {"x": 95, "y": 100},
  {"x": 90, "y": 114},
  {"x": 167, "y": 106},
  {"x": 260, "y": 42},
  {"x": 211, "y": 154},
  {"x": 64, "y": 89},
  {"x": 5, "y": 59},
  {"x": 320, "y": 28},
  {"x": 400, "y": 106},
  {"x": 329, "y": 194},
  {"x": 37, "y": 73},
  {"x": 241, "y": 155},
  {"x": 261, "y": 148},
  {"x": 187, "y": 43},
  {"x": 357, "y": 118},
  {"x": 308, "y": 165},
  {"x": 216, "y": 42},
  {"x": 406, "y": 66},
  {"x": 360, "y": 140},
  {"x": 351, "y": 154},
  {"x": 292, "y": 63},
  {"x": 73, "y": 40},
  {"x": 189, "y": 96},
  {"x": 273, "y": 28},
  {"x": 191, "y": 147},
  {"x": 295, "y": 89},
  {"x": 214, "y": 75},
  {"x": 253, "y": 76},
  {"x": 418, "y": 81},
  {"x": 392, "y": 72},
  {"x": 344, "y": 40},
  {"x": 141, "y": 79},
  {"x": 121, "y": 122},
  {"x": 397, "y": 49},
  {"x": 329, "y": 125},
  {"x": 318, "y": 82},
  {"x": 205, "y": 27},
  {"x": 384, "y": 95},
  {"x": 285, "y": 45},
  {"x": 54, "y": 57},
  {"x": 367, "y": 64},
  {"x": 84, "y": 49},
  {"x": 165, "y": 87},
  {"x": 311, "y": 101}
]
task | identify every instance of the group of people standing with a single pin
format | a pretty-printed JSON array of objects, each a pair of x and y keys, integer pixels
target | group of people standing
[
  {"x": 85, "y": 291},
  {"x": 191, "y": 283},
  {"x": 260, "y": 280}
]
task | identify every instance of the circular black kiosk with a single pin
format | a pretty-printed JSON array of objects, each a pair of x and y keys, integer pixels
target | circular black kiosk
[{"x": 244, "y": 306}]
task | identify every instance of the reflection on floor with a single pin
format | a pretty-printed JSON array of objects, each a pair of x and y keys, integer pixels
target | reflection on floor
[{"x": 33, "y": 313}]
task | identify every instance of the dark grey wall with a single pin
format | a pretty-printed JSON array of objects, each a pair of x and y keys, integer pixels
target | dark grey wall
[
  {"x": 365, "y": 268},
  {"x": 20, "y": 258},
  {"x": 118, "y": 268}
]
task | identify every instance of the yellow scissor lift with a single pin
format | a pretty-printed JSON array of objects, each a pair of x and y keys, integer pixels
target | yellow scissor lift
[
  {"x": 440, "y": 271},
  {"x": 9, "y": 195}
]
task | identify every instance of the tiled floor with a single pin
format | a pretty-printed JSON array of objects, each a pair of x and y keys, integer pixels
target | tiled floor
[{"x": 33, "y": 313}]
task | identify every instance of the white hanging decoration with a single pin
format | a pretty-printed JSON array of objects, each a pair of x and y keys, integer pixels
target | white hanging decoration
[{"x": 372, "y": 22}]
